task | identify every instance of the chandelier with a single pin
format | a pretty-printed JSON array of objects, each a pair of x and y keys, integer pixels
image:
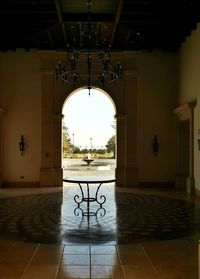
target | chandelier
[{"x": 88, "y": 65}]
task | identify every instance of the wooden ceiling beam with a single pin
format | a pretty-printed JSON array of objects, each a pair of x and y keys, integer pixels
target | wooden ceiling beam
[
  {"x": 50, "y": 39},
  {"x": 60, "y": 18},
  {"x": 127, "y": 38},
  {"x": 117, "y": 18}
]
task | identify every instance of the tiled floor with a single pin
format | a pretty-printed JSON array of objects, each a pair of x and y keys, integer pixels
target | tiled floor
[{"x": 162, "y": 242}]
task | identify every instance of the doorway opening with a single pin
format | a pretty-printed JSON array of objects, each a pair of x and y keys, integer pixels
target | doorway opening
[
  {"x": 183, "y": 163},
  {"x": 88, "y": 134}
]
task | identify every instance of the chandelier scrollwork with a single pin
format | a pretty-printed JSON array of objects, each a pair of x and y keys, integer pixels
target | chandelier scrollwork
[{"x": 88, "y": 66}]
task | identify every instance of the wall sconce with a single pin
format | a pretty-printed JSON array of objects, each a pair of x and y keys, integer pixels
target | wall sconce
[
  {"x": 22, "y": 145},
  {"x": 155, "y": 145},
  {"x": 198, "y": 140},
  {"x": 199, "y": 144}
]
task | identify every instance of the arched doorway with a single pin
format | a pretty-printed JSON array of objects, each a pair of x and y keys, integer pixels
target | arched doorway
[
  {"x": 125, "y": 97},
  {"x": 185, "y": 147},
  {"x": 89, "y": 134}
]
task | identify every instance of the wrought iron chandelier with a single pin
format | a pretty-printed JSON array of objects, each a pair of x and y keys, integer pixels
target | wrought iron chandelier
[{"x": 88, "y": 66}]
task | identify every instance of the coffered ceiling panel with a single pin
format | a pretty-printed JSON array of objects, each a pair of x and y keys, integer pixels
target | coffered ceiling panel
[{"x": 123, "y": 24}]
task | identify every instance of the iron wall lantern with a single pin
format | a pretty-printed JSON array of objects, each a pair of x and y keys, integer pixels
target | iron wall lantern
[
  {"x": 22, "y": 145},
  {"x": 155, "y": 145}
]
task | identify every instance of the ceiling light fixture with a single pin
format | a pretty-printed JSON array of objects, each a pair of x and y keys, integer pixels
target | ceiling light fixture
[{"x": 88, "y": 65}]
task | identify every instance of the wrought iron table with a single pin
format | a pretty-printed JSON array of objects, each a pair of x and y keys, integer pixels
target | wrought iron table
[{"x": 85, "y": 193}]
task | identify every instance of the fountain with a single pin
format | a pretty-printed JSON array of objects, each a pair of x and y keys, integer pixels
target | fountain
[{"x": 88, "y": 159}]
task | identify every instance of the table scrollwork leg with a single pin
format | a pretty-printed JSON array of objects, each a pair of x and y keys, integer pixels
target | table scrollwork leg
[
  {"x": 100, "y": 199},
  {"x": 101, "y": 211},
  {"x": 78, "y": 199},
  {"x": 78, "y": 211}
]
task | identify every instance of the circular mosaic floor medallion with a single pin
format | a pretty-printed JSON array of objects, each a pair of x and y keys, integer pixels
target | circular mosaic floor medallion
[{"x": 124, "y": 218}]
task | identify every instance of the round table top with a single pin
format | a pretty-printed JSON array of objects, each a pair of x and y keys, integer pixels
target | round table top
[{"x": 89, "y": 179}]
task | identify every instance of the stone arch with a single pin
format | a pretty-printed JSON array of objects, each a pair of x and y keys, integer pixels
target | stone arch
[
  {"x": 124, "y": 96},
  {"x": 97, "y": 91},
  {"x": 103, "y": 91}
]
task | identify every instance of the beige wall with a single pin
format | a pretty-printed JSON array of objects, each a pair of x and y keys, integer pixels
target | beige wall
[
  {"x": 20, "y": 90},
  {"x": 157, "y": 97},
  {"x": 190, "y": 88},
  {"x": 33, "y": 100}
]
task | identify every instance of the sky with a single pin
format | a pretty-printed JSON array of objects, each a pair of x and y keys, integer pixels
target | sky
[{"x": 89, "y": 119}]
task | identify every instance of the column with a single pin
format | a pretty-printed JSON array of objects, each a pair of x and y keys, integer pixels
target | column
[
  {"x": 2, "y": 112},
  {"x": 186, "y": 113},
  {"x": 120, "y": 150},
  {"x": 127, "y": 171},
  {"x": 51, "y": 172}
]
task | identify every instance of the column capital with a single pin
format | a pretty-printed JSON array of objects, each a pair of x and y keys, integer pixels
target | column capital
[
  {"x": 2, "y": 111},
  {"x": 58, "y": 117},
  {"x": 120, "y": 116},
  {"x": 185, "y": 109}
]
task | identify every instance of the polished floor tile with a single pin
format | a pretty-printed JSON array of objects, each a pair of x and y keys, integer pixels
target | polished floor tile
[
  {"x": 125, "y": 217},
  {"x": 140, "y": 235},
  {"x": 66, "y": 272},
  {"x": 76, "y": 250},
  {"x": 103, "y": 250},
  {"x": 76, "y": 260}
]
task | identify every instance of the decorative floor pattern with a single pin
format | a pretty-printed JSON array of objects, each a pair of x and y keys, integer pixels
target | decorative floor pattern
[{"x": 125, "y": 218}]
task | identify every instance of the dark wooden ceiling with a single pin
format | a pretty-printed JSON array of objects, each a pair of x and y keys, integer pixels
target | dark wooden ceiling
[{"x": 123, "y": 24}]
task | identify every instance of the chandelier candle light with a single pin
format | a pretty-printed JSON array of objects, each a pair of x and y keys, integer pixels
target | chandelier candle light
[{"x": 88, "y": 65}]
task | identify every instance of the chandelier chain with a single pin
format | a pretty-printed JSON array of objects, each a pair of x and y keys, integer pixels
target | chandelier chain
[{"x": 88, "y": 66}]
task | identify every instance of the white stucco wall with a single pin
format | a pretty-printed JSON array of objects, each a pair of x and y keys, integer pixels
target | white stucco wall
[
  {"x": 190, "y": 88},
  {"x": 20, "y": 93}
]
